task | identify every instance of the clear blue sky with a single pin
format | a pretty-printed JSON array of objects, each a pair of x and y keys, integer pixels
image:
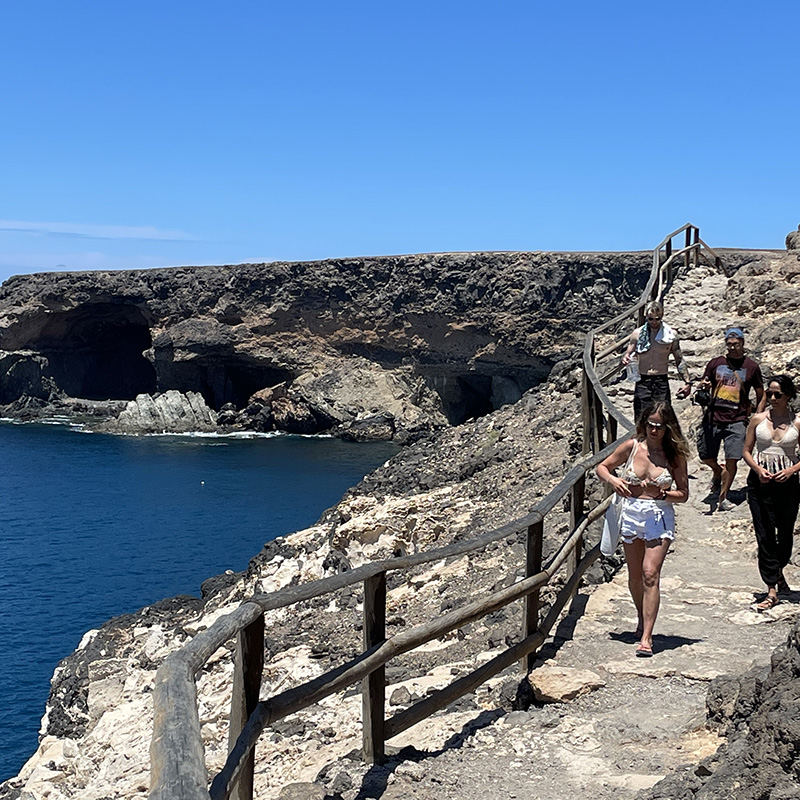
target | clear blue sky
[{"x": 163, "y": 133}]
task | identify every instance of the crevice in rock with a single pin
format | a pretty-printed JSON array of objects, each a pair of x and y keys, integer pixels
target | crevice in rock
[{"x": 234, "y": 380}]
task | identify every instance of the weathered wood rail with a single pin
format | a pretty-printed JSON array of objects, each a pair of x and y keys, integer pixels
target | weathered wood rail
[
  {"x": 178, "y": 769},
  {"x": 601, "y": 419}
]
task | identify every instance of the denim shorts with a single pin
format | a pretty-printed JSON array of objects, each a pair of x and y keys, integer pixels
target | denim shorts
[{"x": 712, "y": 434}]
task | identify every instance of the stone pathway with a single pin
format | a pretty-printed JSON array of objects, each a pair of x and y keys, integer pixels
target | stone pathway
[{"x": 647, "y": 716}]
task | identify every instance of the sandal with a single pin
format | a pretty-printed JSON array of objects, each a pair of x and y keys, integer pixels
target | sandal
[
  {"x": 783, "y": 587},
  {"x": 643, "y": 651},
  {"x": 770, "y": 601}
]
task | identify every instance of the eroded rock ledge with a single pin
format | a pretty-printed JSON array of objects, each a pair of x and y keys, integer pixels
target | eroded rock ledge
[
  {"x": 447, "y": 486},
  {"x": 388, "y": 347}
]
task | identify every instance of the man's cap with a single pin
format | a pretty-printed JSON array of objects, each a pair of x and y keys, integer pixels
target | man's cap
[{"x": 737, "y": 332}]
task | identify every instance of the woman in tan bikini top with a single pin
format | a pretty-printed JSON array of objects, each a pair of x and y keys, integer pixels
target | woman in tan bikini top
[{"x": 651, "y": 462}]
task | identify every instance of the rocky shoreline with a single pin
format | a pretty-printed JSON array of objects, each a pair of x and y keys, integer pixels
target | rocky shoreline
[
  {"x": 386, "y": 348},
  {"x": 448, "y": 483}
]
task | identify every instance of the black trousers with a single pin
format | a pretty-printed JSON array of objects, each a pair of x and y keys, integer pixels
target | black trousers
[
  {"x": 649, "y": 389},
  {"x": 774, "y": 509}
]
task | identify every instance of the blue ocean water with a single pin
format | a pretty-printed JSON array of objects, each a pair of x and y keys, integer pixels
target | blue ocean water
[{"x": 92, "y": 526}]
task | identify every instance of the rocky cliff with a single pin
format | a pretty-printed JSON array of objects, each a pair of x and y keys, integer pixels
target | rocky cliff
[
  {"x": 448, "y": 485},
  {"x": 395, "y": 345}
]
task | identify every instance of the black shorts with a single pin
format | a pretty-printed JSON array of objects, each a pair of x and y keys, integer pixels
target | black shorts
[{"x": 650, "y": 389}]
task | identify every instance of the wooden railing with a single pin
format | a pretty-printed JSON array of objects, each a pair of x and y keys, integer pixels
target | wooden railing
[
  {"x": 601, "y": 419},
  {"x": 178, "y": 769}
]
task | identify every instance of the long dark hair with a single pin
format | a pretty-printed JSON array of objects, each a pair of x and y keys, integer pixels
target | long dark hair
[
  {"x": 786, "y": 384},
  {"x": 674, "y": 444}
]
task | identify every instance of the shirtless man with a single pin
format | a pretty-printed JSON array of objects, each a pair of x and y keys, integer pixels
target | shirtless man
[{"x": 653, "y": 343}]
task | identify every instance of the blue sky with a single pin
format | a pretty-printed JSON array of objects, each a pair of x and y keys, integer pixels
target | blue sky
[{"x": 155, "y": 134}]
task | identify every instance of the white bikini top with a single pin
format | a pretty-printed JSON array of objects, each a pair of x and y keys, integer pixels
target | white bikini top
[
  {"x": 664, "y": 480},
  {"x": 776, "y": 455}
]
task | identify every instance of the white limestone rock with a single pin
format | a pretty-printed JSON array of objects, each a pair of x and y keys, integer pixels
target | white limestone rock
[{"x": 562, "y": 684}]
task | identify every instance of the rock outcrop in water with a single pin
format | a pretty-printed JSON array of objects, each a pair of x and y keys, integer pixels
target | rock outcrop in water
[
  {"x": 372, "y": 347},
  {"x": 172, "y": 412}
]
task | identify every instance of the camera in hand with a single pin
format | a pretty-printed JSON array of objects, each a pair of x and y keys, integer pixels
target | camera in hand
[{"x": 702, "y": 397}]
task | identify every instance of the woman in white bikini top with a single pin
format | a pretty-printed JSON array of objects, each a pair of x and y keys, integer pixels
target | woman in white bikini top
[
  {"x": 647, "y": 519},
  {"x": 663, "y": 479},
  {"x": 773, "y": 487}
]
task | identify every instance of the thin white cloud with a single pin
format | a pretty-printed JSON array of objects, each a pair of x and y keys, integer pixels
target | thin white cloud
[
  {"x": 78, "y": 261},
  {"x": 79, "y": 231}
]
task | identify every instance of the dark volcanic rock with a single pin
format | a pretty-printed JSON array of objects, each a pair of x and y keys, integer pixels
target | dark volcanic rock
[
  {"x": 68, "y": 709},
  {"x": 379, "y": 427},
  {"x": 761, "y": 715},
  {"x": 425, "y": 338}
]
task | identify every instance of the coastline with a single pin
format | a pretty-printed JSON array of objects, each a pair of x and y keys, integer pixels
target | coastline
[
  {"x": 81, "y": 542},
  {"x": 471, "y": 475}
]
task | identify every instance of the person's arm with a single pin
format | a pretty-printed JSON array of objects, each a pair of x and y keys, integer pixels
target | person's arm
[
  {"x": 785, "y": 474},
  {"x": 626, "y": 359},
  {"x": 749, "y": 444},
  {"x": 758, "y": 385},
  {"x": 706, "y": 382},
  {"x": 761, "y": 399},
  {"x": 616, "y": 459},
  {"x": 680, "y": 494},
  {"x": 683, "y": 371}
]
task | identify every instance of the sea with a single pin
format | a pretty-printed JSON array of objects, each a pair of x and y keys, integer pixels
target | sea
[{"x": 95, "y": 525}]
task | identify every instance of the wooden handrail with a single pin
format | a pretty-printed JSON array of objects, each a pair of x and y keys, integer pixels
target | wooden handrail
[
  {"x": 177, "y": 759},
  {"x": 599, "y": 411},
  {"x": 313, "y": 691}
]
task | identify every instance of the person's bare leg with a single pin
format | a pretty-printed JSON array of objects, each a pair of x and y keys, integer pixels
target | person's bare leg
[
  {"x": 654, "y": 555},
  {"x": 634, "y": 557},
  {"x": 728, "y": 474},
  {"x": 715, "y": 467}
]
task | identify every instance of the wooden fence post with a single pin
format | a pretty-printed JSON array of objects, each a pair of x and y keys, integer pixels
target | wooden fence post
[
  {"x": 577, "y": 497},
  {"x": 665, "y": 277},
  {"x": 598, "y": 424},
  {"x": 533, "y": 566},
  {"x": 373, "y": 687},
  {"x": 586, "y": 414},
  {"x": 612, "y": 428},
  {"x": 247, "y": 671},
  {"x": 688, "y": 254}
]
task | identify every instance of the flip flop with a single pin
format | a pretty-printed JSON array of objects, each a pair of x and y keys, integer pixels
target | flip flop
[
  {"x": 767, "y": 603},
  {"x": 643, "y": 651}
]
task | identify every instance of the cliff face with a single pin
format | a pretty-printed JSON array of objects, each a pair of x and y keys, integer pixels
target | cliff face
[
  {"x": 448, "y": 486},
  {"x": 434, "y": 336}
]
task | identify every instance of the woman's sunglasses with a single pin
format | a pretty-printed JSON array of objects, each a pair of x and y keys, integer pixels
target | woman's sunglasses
[
  {"x": 774, "y": 395},
  {"x": 657, "y": 425}
]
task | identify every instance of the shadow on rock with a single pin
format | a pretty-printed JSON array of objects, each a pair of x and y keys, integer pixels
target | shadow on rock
[{"x": 408, "y": 761}]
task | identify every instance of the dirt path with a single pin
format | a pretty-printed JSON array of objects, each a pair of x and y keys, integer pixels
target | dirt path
[{"x": 648, "y": 717}]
